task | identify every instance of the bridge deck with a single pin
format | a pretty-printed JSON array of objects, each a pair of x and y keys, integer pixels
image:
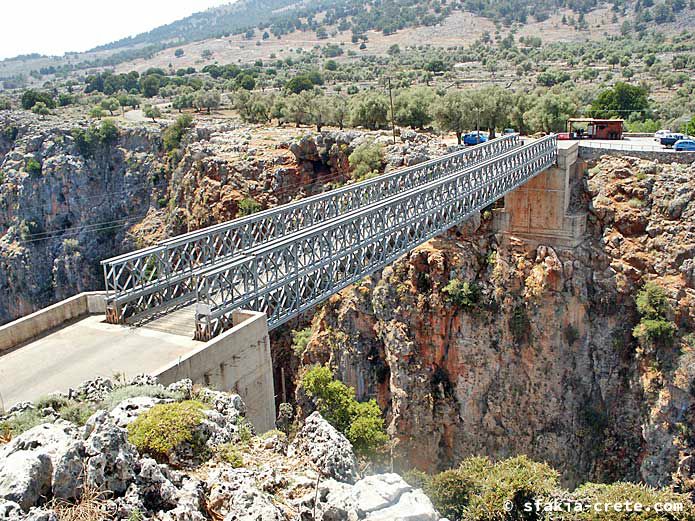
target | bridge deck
[{"x": 78, "y": 352}]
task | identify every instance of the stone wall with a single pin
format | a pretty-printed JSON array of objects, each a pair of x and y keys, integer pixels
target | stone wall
[{"x": 662, "y": 156}]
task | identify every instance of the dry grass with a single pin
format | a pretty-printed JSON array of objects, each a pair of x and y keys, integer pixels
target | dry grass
[{"x": 90, "y": 507}]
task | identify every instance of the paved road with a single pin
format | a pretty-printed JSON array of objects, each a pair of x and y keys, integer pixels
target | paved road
[{"x": 78, "y": 352}]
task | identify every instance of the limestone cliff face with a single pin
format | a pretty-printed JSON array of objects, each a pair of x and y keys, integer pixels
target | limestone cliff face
[
  {"x": 539, "y": 358},
  {"x": 62, "y": 210}
]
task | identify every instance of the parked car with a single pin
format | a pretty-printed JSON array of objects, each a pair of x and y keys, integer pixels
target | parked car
[
  {"x": 661, "y": 133},
  {"x": 670, "y": 139},
  {"x": 509, "y": 131},
  {"x": 563, "y": 136},
  {"x": 473, "y": 138},
  {"x": 684, "y": 145}
]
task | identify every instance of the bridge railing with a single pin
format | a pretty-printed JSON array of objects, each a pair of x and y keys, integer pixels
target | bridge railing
[
  {"x": 160, "y": 276},
  {"x": 287, "y": 277}
]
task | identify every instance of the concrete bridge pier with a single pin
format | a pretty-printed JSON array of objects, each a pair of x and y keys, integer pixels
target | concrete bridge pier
[{"x": 540, "y": 211}]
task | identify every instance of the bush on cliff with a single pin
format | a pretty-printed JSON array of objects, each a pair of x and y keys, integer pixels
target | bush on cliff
[
  {"x": 166, "y": 426},
  {"x": 620, "y": 493},
  {"x": 361, "y": 423},
  {"x": 654, "y": 307},
  {"x": 462, "y": 293},
  {"x": 174, "y": 133},
  {"x": 480, "y": 490},
  {"x": 366, "y": 160}
]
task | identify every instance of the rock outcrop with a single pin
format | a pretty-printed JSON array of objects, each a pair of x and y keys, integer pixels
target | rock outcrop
[{"x": 94, "y": 469}]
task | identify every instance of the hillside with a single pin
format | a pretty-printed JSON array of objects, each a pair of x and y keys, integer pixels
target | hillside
[{"x": 246, "y": 31}]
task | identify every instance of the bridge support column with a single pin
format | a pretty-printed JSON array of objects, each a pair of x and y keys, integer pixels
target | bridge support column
[{"x": 541, "y": 210}]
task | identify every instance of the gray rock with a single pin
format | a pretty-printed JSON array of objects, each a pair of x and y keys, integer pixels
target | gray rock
[
  {"x": 128, "y": 410},
  {"x": 412, "y": 506},
  {"x": 225, "y": 403},
  {"x": 61, "y": 444},
  {"x": 327, "y": 448},
  {"x": 111, "y": 460},
  {"x": 379, "y": 491},
  {"x": 234, "y": 495},
  {"x": 25, "y": 478},
  {"x": 184, "y": 387},
  {"x": 9, "y": 510}
]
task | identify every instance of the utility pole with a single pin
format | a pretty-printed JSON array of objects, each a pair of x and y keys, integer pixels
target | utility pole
[
  {"x": 393, "y": 126},
  {"x": 477, "y": 125}
]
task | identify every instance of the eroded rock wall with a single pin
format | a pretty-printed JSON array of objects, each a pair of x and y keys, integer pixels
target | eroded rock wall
[{"x": 540, "y": 359}]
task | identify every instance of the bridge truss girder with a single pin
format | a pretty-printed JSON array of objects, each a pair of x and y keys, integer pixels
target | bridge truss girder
[{"x": 287, "y": 277}]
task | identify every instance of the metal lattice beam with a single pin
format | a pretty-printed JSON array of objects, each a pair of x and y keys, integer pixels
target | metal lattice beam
[
  {"x": 288, "y": 276},
  {"x": 162, "y": 276}
]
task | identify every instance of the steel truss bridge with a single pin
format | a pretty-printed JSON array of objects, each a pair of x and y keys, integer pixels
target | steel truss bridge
[{"x": 288, "y": 259}]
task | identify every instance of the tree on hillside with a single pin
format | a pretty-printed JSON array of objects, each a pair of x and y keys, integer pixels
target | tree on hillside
[
  {"x": 110, "y": 104},
  {"x": 299, "y": 108},
  {"x": 412, "y": 107},
  {"x": 253, "y": 107},
  {"x": 321, "y": 110},
  {"x": 208, "y": 100},
  {"x": 153, "y": 112},
  {"x": 341, "y": 110},
  {"x": 494, "y": 104},
  {"x": 41, "y": 109},
  {"x": 550, "y": 112},
  {"x": 370, "y": 109},
  {"x": 620, "y": 101},
  {"x": 453, "y": 113},
  {"x": 299, "y": 83}
]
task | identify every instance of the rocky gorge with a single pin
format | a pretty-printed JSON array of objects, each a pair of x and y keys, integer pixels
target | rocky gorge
[
  {"x": 479, "y": 343},
  {"x": 474, "y": 344},
  {"x": 73, "y": 193}
]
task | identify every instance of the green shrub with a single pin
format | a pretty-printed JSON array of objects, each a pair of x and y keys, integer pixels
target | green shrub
[
  {"x": 366, "y": 431},
  {"x": 622, "y": 493},
  {"x": 516, "y": 480},
  {"x": 652, "y": 301},
  {"x": 300, "y": 339},
  {"x": 654, "y": 307},
  {"x": 166, "y": 426},
  {"x": 174, "y": 133},
  {"x": 90, "y": 140},
  {"x": 133, "y": 391},
  {"x": 361, "y": 423},
  {"x": 33, "y": 166},
  {"x": 464, "y": 294},
  {"x": 416, "y": 478},
  {"x": 22, "y": 422},
  {"x": 54, "y": 401},
  {"x": 77, "y": 412},
  {"x": 449, "y": 492},
  {"x": 230, "y": 454},
  {"x": 248, "y": 206},
  {"x": 519, "y": 324},
  {"x": 657, "y": 331},
  {"x": 478, "y": 489},
  {"x": 366, "y": 160}
]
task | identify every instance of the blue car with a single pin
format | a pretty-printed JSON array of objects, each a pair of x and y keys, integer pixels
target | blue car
[
  {"x": 684, "y": 145},
  {"x": 473, "y": 138},
  {"x": 670, "y": 139}
]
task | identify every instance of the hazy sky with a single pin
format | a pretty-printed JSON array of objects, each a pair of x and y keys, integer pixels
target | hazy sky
[{"x": 56, "y": 26}]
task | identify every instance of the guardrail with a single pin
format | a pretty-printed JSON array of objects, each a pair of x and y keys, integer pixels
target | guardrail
[
  {"x": 147, "y": 280},
  {"x": 288, "y": 276}
]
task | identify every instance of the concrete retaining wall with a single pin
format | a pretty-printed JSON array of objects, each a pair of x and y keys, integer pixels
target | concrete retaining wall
[
  {"x": 238, "y": 361},
  {"x": 25, "y": 328},
  {"x": 662, "y": 156}
]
